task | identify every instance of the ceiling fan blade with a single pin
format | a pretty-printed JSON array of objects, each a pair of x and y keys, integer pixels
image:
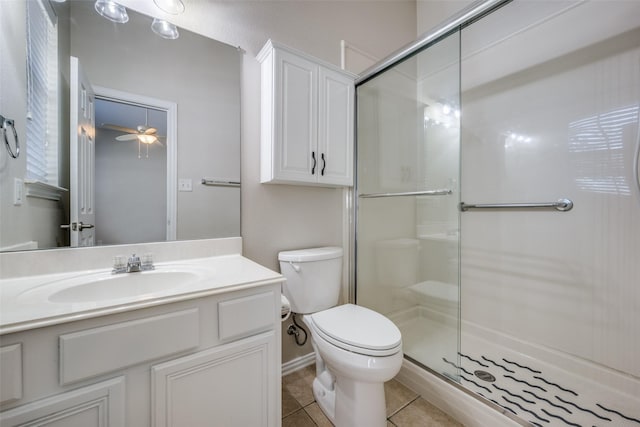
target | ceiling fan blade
[
  {"x": 150, "y": 131},
  {"x": 127, "y": 137},
  {"x": 118, "y": 128},
  {"x": 157, "y": 141}
]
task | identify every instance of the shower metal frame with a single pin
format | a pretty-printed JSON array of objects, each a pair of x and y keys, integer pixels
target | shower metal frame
[{"x": 465, "y": 17}]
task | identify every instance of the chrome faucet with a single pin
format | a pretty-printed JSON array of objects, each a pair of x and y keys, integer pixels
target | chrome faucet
[{"x": 134, "y": 264}]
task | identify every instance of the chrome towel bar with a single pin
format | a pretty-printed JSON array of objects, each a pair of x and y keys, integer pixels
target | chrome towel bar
[
  {"x": 218, "y": 183},
  {"x": 442, "y": 192},
  {"x": 561, "y": 205}
]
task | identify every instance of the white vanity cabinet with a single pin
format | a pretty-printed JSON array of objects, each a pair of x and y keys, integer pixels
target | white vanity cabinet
[
  {"x": 307, "y": 109},
  {"x": 213, "y": 360}
]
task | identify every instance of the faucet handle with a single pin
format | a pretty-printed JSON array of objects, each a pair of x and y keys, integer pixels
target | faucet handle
[
  {"x": 147, "y": 262},
  {"x": 119, "y": 264}
]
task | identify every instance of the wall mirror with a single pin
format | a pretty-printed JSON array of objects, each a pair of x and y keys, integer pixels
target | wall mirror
[{"x": 183, "y": 93}]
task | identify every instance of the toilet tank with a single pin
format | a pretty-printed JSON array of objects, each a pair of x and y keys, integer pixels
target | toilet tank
[{"x": 314, "y": 278}]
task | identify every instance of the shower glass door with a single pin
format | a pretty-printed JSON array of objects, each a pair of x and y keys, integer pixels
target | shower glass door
[{"x": 407, "y": 226}]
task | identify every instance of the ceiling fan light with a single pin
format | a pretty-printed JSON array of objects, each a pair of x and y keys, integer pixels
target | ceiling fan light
[
  {"x": 112, "y": 11},
  {"x": 173, "y": 7},
  {"x": 147, "y": 139},
  {"x": 165, "y": 29}
]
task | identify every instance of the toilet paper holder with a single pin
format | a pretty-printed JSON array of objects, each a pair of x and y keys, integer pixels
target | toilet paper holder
[{"x": 285, "y": 308}]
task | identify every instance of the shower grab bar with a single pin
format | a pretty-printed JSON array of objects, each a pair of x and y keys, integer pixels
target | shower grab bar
[
  {"x": 218, "y": 183},
  {"x": 442, "y": 192},
  {"x": 561, "y": 205}
]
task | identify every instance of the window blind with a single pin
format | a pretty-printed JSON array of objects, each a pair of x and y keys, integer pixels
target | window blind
[{"x": 42, "y": 93}]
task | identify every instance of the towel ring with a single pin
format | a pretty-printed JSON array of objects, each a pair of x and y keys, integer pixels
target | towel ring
[{"x": 6, "y": 124}]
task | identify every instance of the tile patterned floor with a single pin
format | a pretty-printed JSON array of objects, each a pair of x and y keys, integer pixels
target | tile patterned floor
[{"x": 404, "y": 407}]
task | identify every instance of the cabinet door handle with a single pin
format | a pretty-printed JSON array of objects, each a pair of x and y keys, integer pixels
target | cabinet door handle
[
  {"x": 324, "y": 164},
  {"x": 313, "y": 168}
]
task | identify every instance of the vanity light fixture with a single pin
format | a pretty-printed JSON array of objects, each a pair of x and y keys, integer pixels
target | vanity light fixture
[
  {"x": 165, "y": 29},
  {"x": 112, "y": 11},
  {"x": 172, "y": 7}
]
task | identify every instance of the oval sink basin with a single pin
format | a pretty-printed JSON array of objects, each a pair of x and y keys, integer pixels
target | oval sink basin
[
  {"x": 96, "y": 288},
  {"x": 122, "y": 286}
]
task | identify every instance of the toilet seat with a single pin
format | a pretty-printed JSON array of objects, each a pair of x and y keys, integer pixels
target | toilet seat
[{"x": 357, "y": 329}]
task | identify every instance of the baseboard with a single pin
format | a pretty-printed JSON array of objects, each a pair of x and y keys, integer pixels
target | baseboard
[
  {"x": 446, "y": 396},
  {"x": 298, "y": 363}
]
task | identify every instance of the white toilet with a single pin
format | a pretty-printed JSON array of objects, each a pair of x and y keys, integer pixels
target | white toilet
[{"x": 356, "y": 349}]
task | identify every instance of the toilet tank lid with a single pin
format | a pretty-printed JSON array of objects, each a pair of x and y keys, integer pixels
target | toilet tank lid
[{"x": 312, "y": 254}]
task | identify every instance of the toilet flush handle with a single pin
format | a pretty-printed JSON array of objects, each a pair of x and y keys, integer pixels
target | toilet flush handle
[{"x": 295, "y": 267}]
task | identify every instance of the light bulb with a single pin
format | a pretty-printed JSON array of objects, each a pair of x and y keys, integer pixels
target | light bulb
[
  {"x": 147, "y": 139},
  {"x": 165, "y": 29},
  {"x": 112, "y": 11},
  {"x": 173, "y": 7}
]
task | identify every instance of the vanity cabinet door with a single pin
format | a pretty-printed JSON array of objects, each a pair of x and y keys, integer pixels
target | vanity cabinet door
[
  {"x": 230, "y": 385},
  {"x": 97, "y": 405}
]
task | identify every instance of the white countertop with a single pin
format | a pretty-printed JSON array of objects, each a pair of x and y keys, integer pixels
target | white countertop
[{"x": 25, "y": 304}]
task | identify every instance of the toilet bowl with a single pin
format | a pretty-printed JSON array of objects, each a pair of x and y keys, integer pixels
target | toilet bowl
[
  {"x": 356, "y": 358},
  {"x": 356, "y": 349}
]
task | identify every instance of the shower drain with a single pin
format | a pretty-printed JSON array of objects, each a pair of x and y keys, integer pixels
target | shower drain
[{"x": 484, "y": 376}]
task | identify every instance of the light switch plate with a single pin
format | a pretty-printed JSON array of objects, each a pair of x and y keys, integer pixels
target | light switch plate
[
  {"x": 18, "y": 191},
  {"x": 185, "y": 184}
]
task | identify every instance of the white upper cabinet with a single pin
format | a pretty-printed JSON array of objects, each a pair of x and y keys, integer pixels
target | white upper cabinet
[{"x": 307, "y": 119}]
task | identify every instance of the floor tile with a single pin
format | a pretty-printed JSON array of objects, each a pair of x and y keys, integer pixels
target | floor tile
[
  {"x": 299, "y": 384},
  {"x": 289, "y": 403},
  {"x": 421, "y": 413},
  {"x": 404, "y": 407},
  {"x": 317, "y": 415},
  {"x": 397, "y": 396},
  {"x": 298, "y": 419}
]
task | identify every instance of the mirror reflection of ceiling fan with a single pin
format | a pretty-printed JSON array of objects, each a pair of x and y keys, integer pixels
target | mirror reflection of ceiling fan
[{"x": 143, "y": 134}]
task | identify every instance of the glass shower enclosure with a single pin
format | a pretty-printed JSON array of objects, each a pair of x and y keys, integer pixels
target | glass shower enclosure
[
  {"x": 498, "y": 207},
  {"x": 408, "y": 122}
]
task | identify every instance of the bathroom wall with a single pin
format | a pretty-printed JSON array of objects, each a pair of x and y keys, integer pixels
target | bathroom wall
[
  {"x": 35, "y": 220},
  {"x": 431, "y": 13},
  {"x": 563, "y": 283}
]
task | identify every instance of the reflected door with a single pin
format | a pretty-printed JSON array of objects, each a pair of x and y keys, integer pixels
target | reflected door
[{"x": 82, "y": 149}]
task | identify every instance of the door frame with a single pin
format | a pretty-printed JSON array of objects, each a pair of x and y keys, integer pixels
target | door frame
[{"x": 171, "y": 142}]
